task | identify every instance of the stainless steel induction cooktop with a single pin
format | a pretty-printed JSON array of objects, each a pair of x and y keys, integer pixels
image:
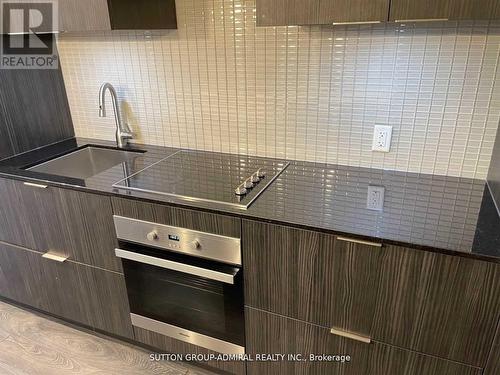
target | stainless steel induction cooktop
[{"x": 198, "y": 176}]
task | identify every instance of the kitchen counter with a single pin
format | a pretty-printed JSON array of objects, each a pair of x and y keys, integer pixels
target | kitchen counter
[{"x": 438, "y": 213}]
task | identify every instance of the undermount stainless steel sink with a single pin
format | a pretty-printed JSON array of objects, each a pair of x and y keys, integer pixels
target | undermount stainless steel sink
[{"x": 85, "y": 163}]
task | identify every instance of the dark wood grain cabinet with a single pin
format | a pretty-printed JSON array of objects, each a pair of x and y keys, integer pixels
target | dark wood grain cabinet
[
  {"x": 446, "y": 306},
  {"x": 144, "y": 14},
  {"x": 65, "y": 222},
  {"x": 20, "y": 276},
  {"x": 88, "y": 15},
  {"x": 444, "y": 9},
  {"x": 271, "y": 333},
  {"x": 103, "y": 15},
  {"x": 44, "y": 93},
  {"x": 493, "y": 365},
  {"x": 311, "y": 12},
  {"x": 310, "y": 276},
  {"x": 76, "y": 292},
  {"x": 15, "y": 218},
  {"x": 317, "y": 12},
  {"x": 443, "y": 305}
]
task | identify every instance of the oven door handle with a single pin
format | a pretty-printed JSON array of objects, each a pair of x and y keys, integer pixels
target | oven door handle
[{"x": 227, "y": 278}]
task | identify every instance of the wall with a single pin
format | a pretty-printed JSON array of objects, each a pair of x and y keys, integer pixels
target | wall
[
  {"x": 34, "y": 110},
  {"x": 311, "y": 93}
]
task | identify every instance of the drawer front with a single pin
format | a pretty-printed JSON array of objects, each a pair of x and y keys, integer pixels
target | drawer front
[
  {"x": 178, "y": 217},
  {"x": 270, "y": 333},
  {"x": 15, "y": 219},
  {"x": 310, "y": 276},
  {"x": 170, "y": 345},
  {"x": 65, "y": 222},
  {"x": 76, "y": 292},
  {"x": 446, "y": 306},
  {"x": 21, "y": 277},
  {"x": 443, "y": 305}
]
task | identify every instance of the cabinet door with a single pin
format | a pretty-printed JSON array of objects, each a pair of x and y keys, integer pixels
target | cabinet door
[
  {"x": 270, "y": 333},
  {"x": 67, "y": 222},
  {"x": 310, "y": 276},
  {"x": 438, "y": 304},
  {"x": 144, "y": 14},
  {"x": 444, "y": 9},
  {"x": 79, "y": 293},
  {"x": 88, "y": 15},
  {"x": 442, "y": 305},
  {"x": 315, "y": 12}
]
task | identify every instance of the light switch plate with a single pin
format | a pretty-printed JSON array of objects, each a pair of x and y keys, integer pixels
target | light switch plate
[
  {"x": 375, "y": 199},
  {"x": 382, "y": 135}
]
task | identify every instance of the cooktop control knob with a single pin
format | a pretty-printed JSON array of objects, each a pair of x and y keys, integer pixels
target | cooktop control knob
[
  {"x": 261, "y": 173},
  {"x": 248, "y": 184},
  {"x": 255, "y": 178},
  {"x": 152, "y": 236},
  {"x": 195, "y": 245},
  {"x": 240, "y": 190}
]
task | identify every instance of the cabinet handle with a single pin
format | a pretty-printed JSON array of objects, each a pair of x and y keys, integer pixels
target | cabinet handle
[
  {"x": 39, "y": 186},
  {"x": 348, "y": 335},
  {"x": 423, "y": 20},
  {"x": 356, "y": 23},
  {"x": 362, "y": 242},
  {"x": 55, "y": 257}
]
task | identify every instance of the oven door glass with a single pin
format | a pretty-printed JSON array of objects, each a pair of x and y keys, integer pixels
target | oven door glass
[{"x": 199, "y": 295}]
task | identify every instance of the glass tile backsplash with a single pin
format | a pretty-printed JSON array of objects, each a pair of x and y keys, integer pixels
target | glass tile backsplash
[{"x": 220, "y": 83}]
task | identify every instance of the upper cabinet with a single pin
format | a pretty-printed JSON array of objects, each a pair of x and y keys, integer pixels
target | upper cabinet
[
  {"x": 318, "y": 12},
  {"x": 402, "y": 10},
  {"x": 314, "y": 12},
  {"x": 102, "y": 15},
  {"x": 143, "y": 14},
  {"x": 78, "y": 15}
]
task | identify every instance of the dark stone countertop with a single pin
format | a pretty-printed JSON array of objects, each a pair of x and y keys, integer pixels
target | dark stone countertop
[{"x": 439, "y": 213}]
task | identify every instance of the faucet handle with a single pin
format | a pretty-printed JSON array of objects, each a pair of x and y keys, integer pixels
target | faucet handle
[{"x": 126, "y": 135}]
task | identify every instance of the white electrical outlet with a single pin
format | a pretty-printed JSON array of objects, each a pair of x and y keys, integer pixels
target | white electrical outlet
[
  {"x": 375, "y": 199},
  {"x": 382, "y": 135}
]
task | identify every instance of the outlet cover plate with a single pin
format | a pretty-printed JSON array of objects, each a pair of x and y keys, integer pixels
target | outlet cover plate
[
  {"x": 382, "y": 135},
  {"x": 375, "y": 198}
]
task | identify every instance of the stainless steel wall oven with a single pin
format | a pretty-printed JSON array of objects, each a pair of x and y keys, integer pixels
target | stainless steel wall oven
[{"x": 183, "y": 283}]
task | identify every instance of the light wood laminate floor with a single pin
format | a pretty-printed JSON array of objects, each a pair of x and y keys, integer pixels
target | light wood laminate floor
[{"x": 31, "y": 344}]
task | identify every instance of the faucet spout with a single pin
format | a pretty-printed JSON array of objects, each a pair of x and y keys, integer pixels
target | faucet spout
[{"x": 123, "y": 133}]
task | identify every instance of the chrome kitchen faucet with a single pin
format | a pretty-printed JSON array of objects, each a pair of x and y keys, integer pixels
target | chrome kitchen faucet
[{"x": 123, "y": 133}]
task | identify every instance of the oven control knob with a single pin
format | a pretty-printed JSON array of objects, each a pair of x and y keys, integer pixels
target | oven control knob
[
  {"x": 195, "y": 245},
  {"x": 153, "y": 236},
  {"x": 241, "y": 190},
  {"x": 261, "y": 173},
  {"x": 255, "y": 178},
  {"x": 248, "y": 184}
]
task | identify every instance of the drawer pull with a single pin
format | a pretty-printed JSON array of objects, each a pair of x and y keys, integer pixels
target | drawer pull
[
  {"x": 348, "y": 335},
  {"x": 362, "y": 242},
  {"x": 39, "y": 186},
  {"x": 356, "y": 23},
  {"x": 423, "y": 20},
  {"x": 55, "y": 257}
]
